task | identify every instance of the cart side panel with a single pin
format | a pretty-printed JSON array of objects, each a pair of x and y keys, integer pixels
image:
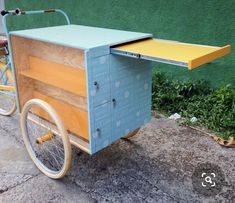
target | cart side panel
[
  {"x": 131, "y": 88},
  {"x": 55, "y": 74},
  {"x": 90, "y": 100},
  {"x": 20, "y": 50},
  {"x": 122, "y": 101},
  {"x": 51, "y": 52},
  {"x": 99, "y": 107},
  {"x": 75, "y": 119}
]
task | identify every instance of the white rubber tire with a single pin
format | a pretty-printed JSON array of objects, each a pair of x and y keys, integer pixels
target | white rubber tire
[
  {"x": 131, "y": 134},
  {"x": 66, "y": 142},
  {"x": 9, "y": 112}
]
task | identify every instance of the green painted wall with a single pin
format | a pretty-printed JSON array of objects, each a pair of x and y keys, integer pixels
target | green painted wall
[{"x": 209, "y": 22}]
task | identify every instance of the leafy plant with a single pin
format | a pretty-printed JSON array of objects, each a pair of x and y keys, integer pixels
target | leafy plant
[{"x": 214, "y": 109}]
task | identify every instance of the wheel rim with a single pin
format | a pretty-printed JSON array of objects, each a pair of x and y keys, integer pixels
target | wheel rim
[
  {"x": 131, "y": 134},
  {"x": 7, "y": 99},
  {"x": 7, "y": 104},
  {"x": 48, "y": 145}
]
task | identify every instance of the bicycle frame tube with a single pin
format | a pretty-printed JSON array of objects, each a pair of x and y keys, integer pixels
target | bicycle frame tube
[
  {"x": 9, "y": 93},
  {"x": 4, "y": 88},
  {"x": 3, "y": 72}
]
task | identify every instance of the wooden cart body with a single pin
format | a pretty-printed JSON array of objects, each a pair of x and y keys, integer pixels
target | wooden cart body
[
  {"x": 95, "y": 81},
  {"x": 99, "y": 96}
]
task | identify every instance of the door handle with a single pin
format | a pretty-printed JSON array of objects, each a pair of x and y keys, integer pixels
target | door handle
[{"x": 96, "y": 84}]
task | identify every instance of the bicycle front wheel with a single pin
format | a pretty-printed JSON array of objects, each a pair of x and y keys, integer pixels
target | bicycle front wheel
[{"x": 45, "y": 138}]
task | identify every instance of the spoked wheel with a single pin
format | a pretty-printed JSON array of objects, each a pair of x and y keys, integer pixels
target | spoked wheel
[
  {"x": 131, "y": 134},
  {"x": 7, "y": 105},
  {"x": 7, "y": 98},
  {"x": 45, "y": 138}
]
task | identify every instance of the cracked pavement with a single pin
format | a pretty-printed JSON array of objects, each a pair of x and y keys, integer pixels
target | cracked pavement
[{"x": 154, "y": 166}]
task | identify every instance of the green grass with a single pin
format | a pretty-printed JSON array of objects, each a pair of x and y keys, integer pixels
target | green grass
[{"x": 214, "y": 108}]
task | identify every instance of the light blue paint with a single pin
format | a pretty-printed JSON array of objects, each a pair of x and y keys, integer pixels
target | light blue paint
[
  {"x": 132, "y": 94},
  {"x": 103, "y": 126},
  {"x": 101, "y": 77},
  {"x": 82, "y": 37},
  {"x": 88, "y": 60}
]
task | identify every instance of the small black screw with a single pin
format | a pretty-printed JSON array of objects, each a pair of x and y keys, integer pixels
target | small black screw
[{"x": 96, "y": 85}]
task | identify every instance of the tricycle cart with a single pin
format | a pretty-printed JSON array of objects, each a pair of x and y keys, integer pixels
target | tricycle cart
[{"x": 87, "y": 86}]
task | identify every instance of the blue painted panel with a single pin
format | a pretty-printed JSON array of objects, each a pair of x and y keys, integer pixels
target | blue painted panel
[
  {"x": 123, "y": 97},
  {"x": 100, "y": 65},
  {"x": 89, "y": 100},
  {"x": 123, "y": 121},
  {"x": 120, "y": 62},
  {"x": 100, "y": 90},
  {"x": 103, "y": 126},
  {"x": 132, "y": 78},
  {"x": 126, "y": 80}
]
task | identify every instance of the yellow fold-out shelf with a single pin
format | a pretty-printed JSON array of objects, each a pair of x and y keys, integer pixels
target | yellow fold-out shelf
[{"x": 172, "y": 52}]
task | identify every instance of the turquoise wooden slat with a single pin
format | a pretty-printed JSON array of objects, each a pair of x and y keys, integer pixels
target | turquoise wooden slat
[
  {"x": 102, "y": 128},
  {"x": 120, "y": 62},
  {"x": 133, "y": 111},
  {"x": 130, "y": 86},
  {"x": 100, "y": 66},
  {"x": 101, "y": 77},
  {"x": 90, "y": 110},
  {"x": 101, "y": 92}
]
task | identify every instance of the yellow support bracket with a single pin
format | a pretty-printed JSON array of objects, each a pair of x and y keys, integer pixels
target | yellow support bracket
[
  {"x": 47, "y": 137},
  {"x": 7, "y": 88}
]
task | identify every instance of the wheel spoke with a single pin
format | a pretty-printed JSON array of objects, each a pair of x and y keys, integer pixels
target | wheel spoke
[{"x": 52, "y": 154}]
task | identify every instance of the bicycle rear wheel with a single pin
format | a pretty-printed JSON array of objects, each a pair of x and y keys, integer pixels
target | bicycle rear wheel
[{"x": 7, "y": 97}]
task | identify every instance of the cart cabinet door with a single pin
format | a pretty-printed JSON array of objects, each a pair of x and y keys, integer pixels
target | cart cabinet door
[
  {"x": 130, "y": 93},
  {"x": 171, "y": 52},
  {"x": 101, "y": 80},
  {"x": 102, "y": 131}
]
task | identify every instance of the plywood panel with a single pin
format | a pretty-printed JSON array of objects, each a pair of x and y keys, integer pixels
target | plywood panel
[
  {"x": 22, "y": 48},
  {"x": 75, "y": 140},
  {"x": 61, "y": 76},
  {"x": 65, "y": 96},
  {"x": 20, "y": 51},
  {"x": 56, "y": 53},
  {"x": 75, "y": 120}
]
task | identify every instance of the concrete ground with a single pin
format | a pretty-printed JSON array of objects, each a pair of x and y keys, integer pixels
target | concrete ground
[{"x": 154, "y": 166}]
